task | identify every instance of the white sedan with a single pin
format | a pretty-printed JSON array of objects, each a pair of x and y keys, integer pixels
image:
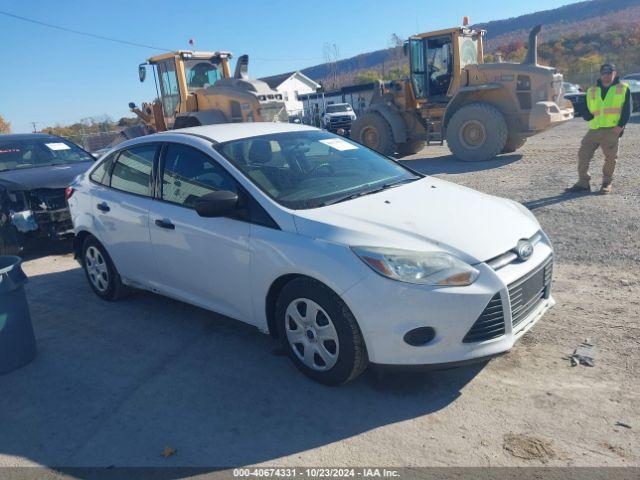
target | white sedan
[{"x": 344, "y": 255}]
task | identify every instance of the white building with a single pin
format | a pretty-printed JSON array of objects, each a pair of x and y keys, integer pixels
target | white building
[{"x": 290, "y": 85}]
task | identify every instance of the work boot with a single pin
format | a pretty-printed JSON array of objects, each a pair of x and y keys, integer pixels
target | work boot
[
  {"x": 606, "y": 188},
  {"x": 579, "y": 187}
]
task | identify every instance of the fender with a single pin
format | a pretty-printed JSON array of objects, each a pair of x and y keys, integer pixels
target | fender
[
  {"x": 398, "y": 126},
  {"x": 467, "y": 95}
]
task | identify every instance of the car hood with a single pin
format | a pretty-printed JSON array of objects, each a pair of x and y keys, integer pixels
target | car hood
[
  {"x": 340, "y": 114},
  {"x": 55, "y": 176},
  {"x": 425, "y": 215}
]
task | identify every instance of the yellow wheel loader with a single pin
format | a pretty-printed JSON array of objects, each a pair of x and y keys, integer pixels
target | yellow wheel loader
[
  {"x": 196, "y": 88},
  {"x": 480, "y": 109}
]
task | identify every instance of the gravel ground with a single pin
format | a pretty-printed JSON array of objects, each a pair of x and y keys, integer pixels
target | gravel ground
[{"x": 114, "y": 384}]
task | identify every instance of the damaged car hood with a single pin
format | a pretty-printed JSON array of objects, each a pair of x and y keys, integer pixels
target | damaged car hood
[{"x": 53, "y": 176}]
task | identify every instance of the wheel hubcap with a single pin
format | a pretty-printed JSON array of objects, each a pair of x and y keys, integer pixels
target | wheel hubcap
[
  {"x": 96, "y": 269},
  {"x": 473, "y": 134},
  {"x": 311, "y": 334},
  {"x": 370, "y": 137}
]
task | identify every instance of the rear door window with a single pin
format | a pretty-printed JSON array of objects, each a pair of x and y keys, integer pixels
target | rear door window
[
  {"x": 132, "y": 170},
  {"x": 102, "y": 173}
]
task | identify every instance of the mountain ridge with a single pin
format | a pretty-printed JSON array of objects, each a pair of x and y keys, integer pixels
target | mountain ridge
[{"x": 592, "y": 16}]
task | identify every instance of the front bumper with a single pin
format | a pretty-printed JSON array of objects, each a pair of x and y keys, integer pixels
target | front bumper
[
  {"x": 546, "y": 115},
  {"x": 386, "y": 310},
  {"x": 53, "y": 224},
  {"x": 334, "y": 125}
]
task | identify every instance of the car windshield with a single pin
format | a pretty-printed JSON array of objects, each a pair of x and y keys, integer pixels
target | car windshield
[
  {"x": 311, "y": 169},
  {"x": 633, "y": 76},
  {"x": 570, "y": 88},
  {"x": 338, "y": 108},
  {"x": 29, "y": 153}
]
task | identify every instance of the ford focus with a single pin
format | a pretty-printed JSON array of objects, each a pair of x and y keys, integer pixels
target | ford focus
[{"x": 344, "y": 255}]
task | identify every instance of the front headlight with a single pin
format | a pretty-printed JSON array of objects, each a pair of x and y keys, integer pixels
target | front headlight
[{"x": 424, "y": 268}]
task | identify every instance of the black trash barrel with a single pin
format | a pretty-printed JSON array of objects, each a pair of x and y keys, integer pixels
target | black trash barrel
[{"x": 17, "y": 342}]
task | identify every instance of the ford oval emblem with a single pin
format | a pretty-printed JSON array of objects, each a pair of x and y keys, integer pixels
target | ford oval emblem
[{"x": 524, "y": 250}]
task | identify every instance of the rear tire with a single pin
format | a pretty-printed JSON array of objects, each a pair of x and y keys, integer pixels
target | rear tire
[
  {"x": 100, "y": 271},
  {"x": 373, "y": 131},
  {"x": 514, "y": 142},
  {"x": 477, "y": 132},
  {"x": 410, "y": 148},
  {"x": 320, "y": 333}
]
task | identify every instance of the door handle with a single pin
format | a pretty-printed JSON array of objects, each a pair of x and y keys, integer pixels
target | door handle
[
  {"x": 165, "y": 223},
  {"x": 103, "y": 207}
]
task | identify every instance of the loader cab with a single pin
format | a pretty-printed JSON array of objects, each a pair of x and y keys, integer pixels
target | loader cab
[
  {"x": 178, "y": 75},
  {"x": 436, "y": 60}
]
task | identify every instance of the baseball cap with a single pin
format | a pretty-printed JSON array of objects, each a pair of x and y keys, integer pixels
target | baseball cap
[{"x": 608, "y": 68}]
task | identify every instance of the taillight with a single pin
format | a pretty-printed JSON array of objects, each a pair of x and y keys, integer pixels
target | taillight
[{"x": 68, "y": 192}]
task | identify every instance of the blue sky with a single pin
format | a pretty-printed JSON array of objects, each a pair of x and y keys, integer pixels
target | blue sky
[{"x": 49, "y": 76}]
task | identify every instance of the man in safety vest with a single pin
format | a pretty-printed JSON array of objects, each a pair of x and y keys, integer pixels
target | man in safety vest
[{"x": 609, "y": 109}]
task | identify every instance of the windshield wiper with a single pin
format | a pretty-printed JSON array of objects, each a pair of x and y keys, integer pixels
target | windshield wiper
[{"x": 382, "y": 187}]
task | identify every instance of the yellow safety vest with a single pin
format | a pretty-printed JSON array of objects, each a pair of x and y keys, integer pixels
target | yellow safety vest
[{"x": 607, "y": 112}]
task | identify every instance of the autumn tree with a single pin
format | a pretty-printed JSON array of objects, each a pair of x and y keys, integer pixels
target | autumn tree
[
  {"x": 5, "y": 127},
  {"x": 366, "y": 76}
]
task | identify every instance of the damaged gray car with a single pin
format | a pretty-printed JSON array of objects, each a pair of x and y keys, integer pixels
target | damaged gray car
[{"x": 35, "y": 170}]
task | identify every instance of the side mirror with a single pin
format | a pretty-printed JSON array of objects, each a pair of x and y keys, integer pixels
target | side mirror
[
  {"x": 142, "y": 72},
  {"x": 217, "y": 204},
  {"x": 405, "y": 48}
]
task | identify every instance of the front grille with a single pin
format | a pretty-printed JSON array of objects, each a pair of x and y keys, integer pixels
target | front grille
[
  {"x": 511, "y": 256},
  {"x": 489, "y": 325},
  {"x": 526, "y": 293}
]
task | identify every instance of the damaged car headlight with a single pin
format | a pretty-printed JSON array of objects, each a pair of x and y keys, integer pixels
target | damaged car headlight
[
  {"x": 424, "y": 268},
  {"x": 24, "y": 221}
]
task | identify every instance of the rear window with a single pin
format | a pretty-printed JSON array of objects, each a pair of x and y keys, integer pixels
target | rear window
[
  {"x": 338, "y": 108},
  {"x": 40, "y": 153}
]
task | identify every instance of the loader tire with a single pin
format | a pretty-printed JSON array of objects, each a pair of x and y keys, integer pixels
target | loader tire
[
  {"x": 514, "y": 143},
  {"x": 373, "y": 131},
  {"x": 477, "y": 132},
  {"x": 409, "y": 148}
]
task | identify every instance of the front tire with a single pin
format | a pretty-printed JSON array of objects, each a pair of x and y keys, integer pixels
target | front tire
[
  {"x": 410, "y": 148},
  {"x": 373, "y": 131},
  {"x": 477, "y": 132},
  {"x": 320, "y": 333},
  {"x": 514, "y": 142},
  {"x": 100, "y": 271},
  {"x": 8, "y": 241}
]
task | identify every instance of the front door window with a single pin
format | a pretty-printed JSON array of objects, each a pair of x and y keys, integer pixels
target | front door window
[
  {"x": 169, "y": 87},
  {"x": 418, "y": 71}
]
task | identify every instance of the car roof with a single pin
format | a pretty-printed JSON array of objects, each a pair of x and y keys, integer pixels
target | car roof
[
  {"x": 225, "y": 132},
  {"x": 12, "y": 137}
]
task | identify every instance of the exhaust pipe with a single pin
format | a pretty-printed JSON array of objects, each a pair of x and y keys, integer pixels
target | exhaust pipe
[
  {"x": 532, "y": 50},
  {"x": 242, "y": 68}
]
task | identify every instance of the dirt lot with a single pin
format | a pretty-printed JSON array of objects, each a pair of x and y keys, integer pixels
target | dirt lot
[{"x": 114, "y": 384}]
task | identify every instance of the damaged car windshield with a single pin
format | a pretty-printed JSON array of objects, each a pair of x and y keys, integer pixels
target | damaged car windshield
[{"x": 40, "y": 153}]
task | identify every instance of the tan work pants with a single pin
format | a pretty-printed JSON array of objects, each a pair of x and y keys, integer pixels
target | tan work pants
[{"x": 605, "y": 138}]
